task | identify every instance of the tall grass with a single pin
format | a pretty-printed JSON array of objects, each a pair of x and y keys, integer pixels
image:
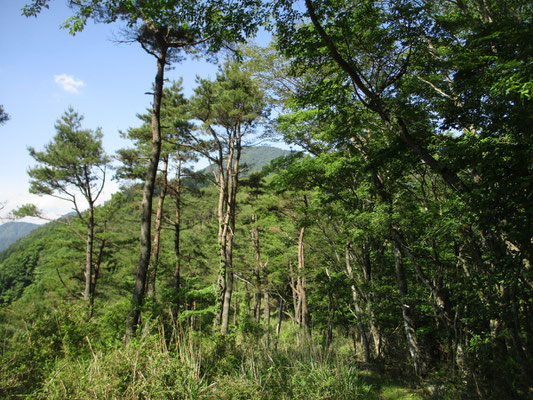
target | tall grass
[{"x": 189, "y": 365}]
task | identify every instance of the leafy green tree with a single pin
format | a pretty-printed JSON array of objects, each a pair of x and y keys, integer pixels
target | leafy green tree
[
  {"x": 164, "y": 30},
  {"x": 73, "y": 164},
  {"x": 174, "y": 126},
  {"x": 229, "y": 109},
  {"x": 447, "y": 82}
]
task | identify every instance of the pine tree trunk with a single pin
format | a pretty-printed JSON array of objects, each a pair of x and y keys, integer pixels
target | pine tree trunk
[
  {"x": 146, "y": 205},
  {"x": 233, "y": 182},
  {"x": 177, "y": 231},
  {"x": 221, "y": 238},
  {"x": 152, "y": 269},
  {"x": 257, "y": 269},
  {"x": 280, "y": 318},
  {"x": 331, "y": 311},
  {"x": 88, "y": 293},
  {"x": 295, "y": 296},
  {"x": 96, "y": 271},
  {"x": 266, "y": 297},
  {"x": 227, "y": 303}
]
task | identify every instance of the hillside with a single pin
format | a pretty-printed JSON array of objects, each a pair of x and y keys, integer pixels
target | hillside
[
  {"x": 17, "y": 264},
  {"x": 10, "y": 232},
  {"x": 253, "y": 159}
]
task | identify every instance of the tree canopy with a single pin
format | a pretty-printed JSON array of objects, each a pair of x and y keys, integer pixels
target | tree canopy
[{"x": 396, "y": 242}]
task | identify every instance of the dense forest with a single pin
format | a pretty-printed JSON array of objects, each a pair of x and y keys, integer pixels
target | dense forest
[
  {"x": 10, "y": 232},
  {"x": 389, "y": 257}
]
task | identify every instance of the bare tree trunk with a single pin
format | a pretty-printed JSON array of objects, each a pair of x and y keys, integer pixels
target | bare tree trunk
[
  {"x": 222, "y": 182},
  {"x": 280, "y": 317},
  {"x": 304, "y": 317},
  {"x": 248, "y": 300},
  {"x": 266, "y": 297},
  {"x": 96, "y": 270},
  {"x": 331, "y": 311},
  {"x": 177, "y": 231},
  {"x": 88, "y": 292},
  {"x": 295, "y": 296},
  {"x": 415, "y": 350},
  {"x": 229, "y": 229},
  {"x": 360, "y": 325},
  {"x": 152, "y": 269},
  {"x": 194, "y": 322},
  {"x": 233, "y": 173},
  {"x": 227, "y": 302},
  {"x": 146, "y": 205},
  {"x": 236, "y": 308},
  {"x": 257, "y": 269}
]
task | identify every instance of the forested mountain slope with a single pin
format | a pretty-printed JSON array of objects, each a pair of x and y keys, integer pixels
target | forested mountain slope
[
  {"x": 253, "y": 159},
  {"x": 49, "y": 243},
  {"x": 10, "y": 232}
]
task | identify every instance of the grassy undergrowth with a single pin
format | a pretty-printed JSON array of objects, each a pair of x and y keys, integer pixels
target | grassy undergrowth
[
  {"x": 61, "y": 356},
  {"x": 215, "y": 367}
]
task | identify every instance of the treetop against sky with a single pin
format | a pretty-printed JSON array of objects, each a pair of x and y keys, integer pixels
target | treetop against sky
[{"x": 44, "y": 70}]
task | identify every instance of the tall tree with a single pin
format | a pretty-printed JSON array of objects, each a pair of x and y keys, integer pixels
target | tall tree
[
  {"x": 174, "y": 124},
  {"x": 164, "y": 30},
  {"x": 415, "y": 72},
  {"x": 73, "y": 163},
  {"x": 229, "y": 108},
  {"x": 255, "y": 185}
]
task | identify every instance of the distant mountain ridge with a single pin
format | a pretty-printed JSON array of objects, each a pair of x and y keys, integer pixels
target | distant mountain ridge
[
  {"x": 253, "y": 159},
  {"x": 36, "y": 258},
  {"x": 256, "y": 158},
  {"x": 10, "y": 232}
]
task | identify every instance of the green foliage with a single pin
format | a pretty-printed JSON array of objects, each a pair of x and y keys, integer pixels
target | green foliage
[
  {"x": 174, "y": 125},
  {"x": 74, "y": 159},
  {"x": 18, "y": 264},
  {"x": 414, "y": 189},
  {"x": 217, "y": 22},
  {"x": 3, "y": 115},
  {"x": 10, "y": 232}
]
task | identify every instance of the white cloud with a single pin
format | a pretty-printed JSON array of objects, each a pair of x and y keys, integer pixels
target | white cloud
[{"x": 68, "y": 83}]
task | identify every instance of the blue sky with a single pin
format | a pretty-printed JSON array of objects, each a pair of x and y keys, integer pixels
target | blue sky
[{"x": 44, "y": 70}]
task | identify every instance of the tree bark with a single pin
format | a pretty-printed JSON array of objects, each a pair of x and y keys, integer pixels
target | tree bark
[
  {"x": 222, "y": 183},
  {"x": 266, "y": 297},
  {"x": 96, "y": 271},
  {"x": 152, "y": 269},
  {"x": 374, "y": 331},
  {"x": 413, "y": 345},
  {"x": 295, "y": 295},
  {"x": 87, "y": 294},
  {"x": 360, "y": 324},
  {"x": 280, "y": 317},
  {"x": 177, "y": 231},
  {"x": 146, "y": 205},
  {"x": 301, "y": 282},
  {"x": 257, "y": 269},
  {"x": 233, "y": 183}
]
